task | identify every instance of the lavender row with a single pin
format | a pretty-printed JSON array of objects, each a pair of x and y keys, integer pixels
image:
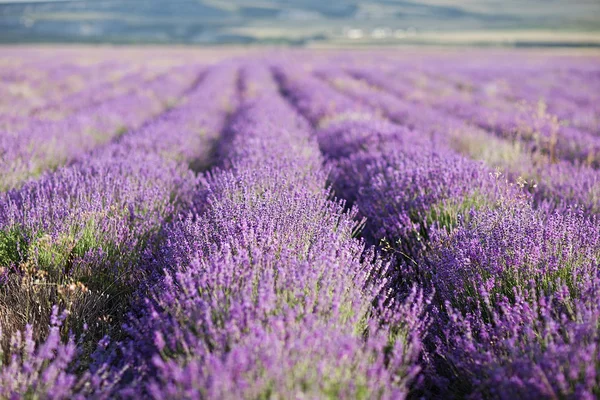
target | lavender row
[
  {"x": 395, "y": 175},
  {"x": 138, "y": 81},
  {"x": 105, "y": 91},
  {"x": 34, "y": 91},
  {"x": 518, "y": 299},
  {"x": 83, "y": 238},
  {"x": 563, "y": 84},
  {"x": 39, "y": 79},
  {"x": 27, "y": 87},
  {"x": 135, "y": 84},
  {"x": 568, "y": 93},
  {"x": 268, "y": 295},
  {"x": 533, "y": 126},
  {"x": 555, "y": 186},
  {"x": 47, "y": 144},
  {"x": 50, "y": 207},
  {"x": 515, "y": 312}
]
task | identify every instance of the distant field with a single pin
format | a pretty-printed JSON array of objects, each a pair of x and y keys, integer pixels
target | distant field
[
  {"x": 299, "y": 22},
  {"x": 180, "y": 222}
]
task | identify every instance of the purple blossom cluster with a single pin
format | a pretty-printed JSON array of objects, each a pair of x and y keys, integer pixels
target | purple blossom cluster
[{"x": 299, "y": 225}]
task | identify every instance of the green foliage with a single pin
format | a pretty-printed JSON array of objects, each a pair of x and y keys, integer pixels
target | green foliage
[
  {"x": 448, "y": 213},
  {"x": 13, "y": 241}
]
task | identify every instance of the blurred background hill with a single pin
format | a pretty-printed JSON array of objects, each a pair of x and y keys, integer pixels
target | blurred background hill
[{"x": 304, "y": 22}]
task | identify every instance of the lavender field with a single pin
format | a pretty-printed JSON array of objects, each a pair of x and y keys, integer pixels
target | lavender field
[{"x": 300, "y": 224}]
